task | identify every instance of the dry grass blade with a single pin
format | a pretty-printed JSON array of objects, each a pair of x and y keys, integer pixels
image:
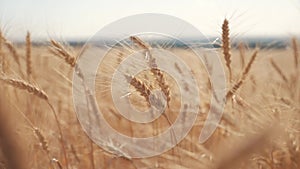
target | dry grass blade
[
  {"x": 28, "y": 56},
  {"x": 278, "y": 70},
  {"x": 246, "y": 71},
  {"x": 226, "y": 46},
  {"x": 57, "y": 49},
  {"x": 295, "y": 50}
]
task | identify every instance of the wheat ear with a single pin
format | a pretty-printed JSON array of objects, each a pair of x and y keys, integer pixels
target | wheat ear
[
  {"x": 155, "y": 71},
  {"x": 139, "y": 86},
  {"x": 25, "y": 86},
  {"x": 162, "y": 83},
  {"x": 57, "y": 49},
  {"x": 246, "y": 71},
  {"x": 140, "y": 43},
  {"x": 28, "y": 56},
  {"x": 226, "y": 46},
  {"x": 1, "y": 52},
  {"x": 41, "y": 139},
  {"x": 14, "y": 53}
]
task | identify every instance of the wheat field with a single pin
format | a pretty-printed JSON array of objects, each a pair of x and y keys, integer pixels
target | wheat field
[{"x": 259, "y": 128}]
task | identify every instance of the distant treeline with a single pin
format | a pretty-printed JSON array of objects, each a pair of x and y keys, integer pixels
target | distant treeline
[{"x": 213, "y": 42}]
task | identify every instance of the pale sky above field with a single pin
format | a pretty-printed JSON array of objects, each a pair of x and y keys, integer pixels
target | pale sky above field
[{"x": 81, "y": 19}]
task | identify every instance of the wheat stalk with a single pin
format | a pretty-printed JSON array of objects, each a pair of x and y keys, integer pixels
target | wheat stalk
[
  {"x": 226, "y": 46},
  {"x": 155, "y": 71},
  {"x": 41, "y": 94},
  {"x": 57, "y": 49},
  {"x": 14, "y": 53},
  {"x": 25, "y": 86},
  {"x": 242, "y": 53},
  {"x": 12, "y": 50},
  {"x": 140, "y": 43},
  {"x": 246, "y": 71},
  {"x": 4, "y": 62},
  {"x": 295, "y": 50},
  {"x": 278, "y": 70},
  {"x": 28, "y": 56}
]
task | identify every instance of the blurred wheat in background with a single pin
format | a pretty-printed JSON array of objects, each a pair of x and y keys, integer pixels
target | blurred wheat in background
[{"x": 259, "y": 129}]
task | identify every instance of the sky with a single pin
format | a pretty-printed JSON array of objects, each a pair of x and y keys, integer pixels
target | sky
[{"x": 78, "y": 19}]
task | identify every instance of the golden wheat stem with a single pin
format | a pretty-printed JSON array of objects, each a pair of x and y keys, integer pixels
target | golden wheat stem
[
  {"x": 41, "y": 94},
  {"x": 38, "y": 133},
  {"x": 92, "y": 154},
  {"x": 1, "y": 53},
  {"x": 242, "y": 53},
  {"x": 278, "y": 70},
  {"x": 14, "y": 53},
  {"x": 58, "y": 164},
  {"x": 61, "y": 138}
]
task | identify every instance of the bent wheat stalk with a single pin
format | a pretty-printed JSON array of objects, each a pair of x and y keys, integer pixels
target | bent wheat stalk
[
  {"x": 14, "y": 53},
  {"x": 42, "y": 95},
  {"x": 57, "y": 49},
  {"x": 154, "y": 70},
  {"x": 278, "y": 70},
  {"x": 246, "y": 71}
]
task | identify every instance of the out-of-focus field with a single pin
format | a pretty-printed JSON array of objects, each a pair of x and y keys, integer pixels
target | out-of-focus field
[{"x": 259, "y": 129}]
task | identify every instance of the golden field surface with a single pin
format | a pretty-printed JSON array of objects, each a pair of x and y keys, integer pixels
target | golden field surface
[{"x": 39, "y": 127}]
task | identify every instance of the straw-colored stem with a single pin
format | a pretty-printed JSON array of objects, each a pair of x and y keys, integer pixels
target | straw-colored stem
[
  {"x": 246, "y": 71},
  {"x": 41, "y": 94},
  {"x": 278, "y": 70}
]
